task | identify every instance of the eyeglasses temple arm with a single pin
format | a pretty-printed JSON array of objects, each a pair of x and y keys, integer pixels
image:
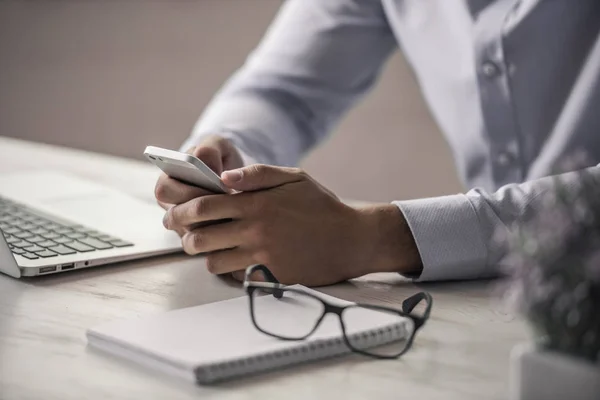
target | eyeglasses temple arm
[
  {"x": 269, "y": 277},
  {"x": 410, "y": 303}
]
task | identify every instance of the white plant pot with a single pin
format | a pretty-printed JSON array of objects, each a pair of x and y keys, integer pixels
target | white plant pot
[{"x": 538, "y": 374}]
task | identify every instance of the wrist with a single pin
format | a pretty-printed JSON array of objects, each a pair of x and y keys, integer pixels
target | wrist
[{"x": 389, "y": 241}]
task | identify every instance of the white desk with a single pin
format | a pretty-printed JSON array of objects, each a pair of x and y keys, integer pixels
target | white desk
[{"x": 462, "y": 353}]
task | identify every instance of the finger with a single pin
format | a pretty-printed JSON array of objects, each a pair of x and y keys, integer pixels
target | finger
[
  {"x": 213, "y": 238},
  {"x": 165, "y": 206},
  {"x": 240, "y": 276},
  {"x": 172, "y": 191},
  {"x": 206, "y": 208},
  {"x": 226, "y": 261},
  {"x": 211, "y": 157},
  {"x": 258, "y": 177},
  {"x": 180, "y": 230},
  {"x": 212, "y": 152}
]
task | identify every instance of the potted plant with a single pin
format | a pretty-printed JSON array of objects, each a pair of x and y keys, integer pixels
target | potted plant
[{"x": 554, "y": 280}]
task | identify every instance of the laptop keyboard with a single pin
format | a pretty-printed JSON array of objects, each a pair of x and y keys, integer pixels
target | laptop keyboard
[{"x": 34, "y": 237}]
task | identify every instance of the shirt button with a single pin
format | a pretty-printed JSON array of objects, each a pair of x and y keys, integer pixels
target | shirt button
[
  {"x": 504, "y": 159},
  {"x": 490, "y": 69}
]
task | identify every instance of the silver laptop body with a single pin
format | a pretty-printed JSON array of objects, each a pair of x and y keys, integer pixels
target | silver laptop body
[{"x": 54, "y": 222}]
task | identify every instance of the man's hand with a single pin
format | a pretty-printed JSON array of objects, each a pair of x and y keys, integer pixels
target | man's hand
[
  {"x": 217, "y": 153},
  {"x": 284, "y": 219}
]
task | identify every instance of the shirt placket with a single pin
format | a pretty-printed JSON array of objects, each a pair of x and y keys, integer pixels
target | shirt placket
[{"x": 493, "y": 75}]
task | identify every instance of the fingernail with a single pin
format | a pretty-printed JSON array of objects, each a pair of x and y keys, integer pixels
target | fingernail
[
  {"x": 233, "y": 175},
  {"x": 166, "y": 220}
]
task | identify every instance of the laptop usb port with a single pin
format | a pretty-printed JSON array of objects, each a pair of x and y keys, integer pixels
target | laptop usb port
[
  {"x": 67, "y": 266},
  {"x": 43, "y": 270}
]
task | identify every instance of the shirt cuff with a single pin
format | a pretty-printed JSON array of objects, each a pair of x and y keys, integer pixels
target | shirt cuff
[{"x": 448, "y": 236}]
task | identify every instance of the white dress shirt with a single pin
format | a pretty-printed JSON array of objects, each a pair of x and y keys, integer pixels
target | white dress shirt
[{"x": 514, "y": 86}]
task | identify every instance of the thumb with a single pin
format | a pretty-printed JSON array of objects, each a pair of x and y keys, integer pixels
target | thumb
[{"x": 258, "y": 177}]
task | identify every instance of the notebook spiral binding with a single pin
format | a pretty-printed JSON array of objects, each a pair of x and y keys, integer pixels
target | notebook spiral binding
[{"x": 303, "y": 352}]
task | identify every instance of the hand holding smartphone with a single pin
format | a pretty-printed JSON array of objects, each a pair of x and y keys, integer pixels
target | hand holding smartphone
[
  {"x": 186, "y": 168},
  {"x": 189, "y": 170}
]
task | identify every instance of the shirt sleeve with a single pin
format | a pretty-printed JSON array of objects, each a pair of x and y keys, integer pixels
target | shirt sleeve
[
  {"x": 458, "y": 236},
  {"x": 316, "y": 59}
]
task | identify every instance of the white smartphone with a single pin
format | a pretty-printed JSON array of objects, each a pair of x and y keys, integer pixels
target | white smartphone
[{"x": 186, "y": 168}]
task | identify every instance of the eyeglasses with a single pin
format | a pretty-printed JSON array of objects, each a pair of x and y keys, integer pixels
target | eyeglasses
[{"x": 291, "y": 324}]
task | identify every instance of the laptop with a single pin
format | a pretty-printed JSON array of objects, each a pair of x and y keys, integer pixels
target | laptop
[{"x": 53, "y": 222}]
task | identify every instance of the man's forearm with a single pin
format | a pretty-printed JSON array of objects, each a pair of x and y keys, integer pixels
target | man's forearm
[
  {"x": 285, "y": 99},
  {"x": 456, "y": 235}
]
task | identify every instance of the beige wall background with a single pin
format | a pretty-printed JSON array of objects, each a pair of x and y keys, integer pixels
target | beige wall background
[{"x": 114, "y": 76}]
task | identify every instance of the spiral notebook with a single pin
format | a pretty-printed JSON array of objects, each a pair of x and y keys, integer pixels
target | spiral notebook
[{"x": 217, "y": 341}]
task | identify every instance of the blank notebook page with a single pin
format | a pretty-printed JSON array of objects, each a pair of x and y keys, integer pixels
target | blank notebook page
[{"x": 218, "y": 332}]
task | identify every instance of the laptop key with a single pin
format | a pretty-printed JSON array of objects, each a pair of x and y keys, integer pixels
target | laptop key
[
  {"x": 95, "y": 234},
  {"x": 30, "y": 256},
  {"x": 53, "y": 226},
  {"x": 62, "y": 240},
  {"x": 27, "y": 226},
  {"x": 17, "y": 250},
  {"x": 120, "y": 243},
  {"x": 105, "y": 238},
  {"x": 36, "y": 239},
  {"x": 17, "y": 222},
  {"x": 41, "y": 222},
  {"x": 63, "y": 230},
  {"x": 51, "y": 235},
  {"x": 47, "y": 243},
  {"x": 75, "y": 245},
  {"x": 83, "y": 229},
  {"x": 19, "y": 213},
  {"x": 12, "y": 240},
  {"x": 75, "y": 235},
  {"x": 11, "y": 231},
  {"x": 95, "y": 243},
  {"x": 62, "y": 250},
  {"x": 46, "y": 253},
  {"x": 6, "y": 218},
  {"x": 33, "y": 249},
  {"x": 39, "y": 231},
  {"x": 23, "y": 234},
  {"x": 29, "y": 218},
  {"x": 21, "y": 244}
]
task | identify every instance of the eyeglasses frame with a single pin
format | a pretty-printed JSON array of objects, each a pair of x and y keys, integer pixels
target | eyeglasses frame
[{"x": 278, "y": 289}]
